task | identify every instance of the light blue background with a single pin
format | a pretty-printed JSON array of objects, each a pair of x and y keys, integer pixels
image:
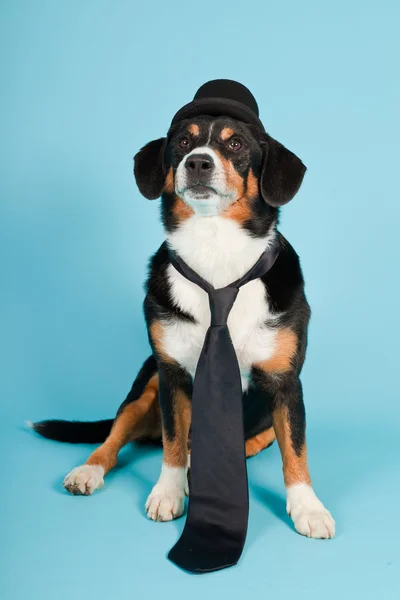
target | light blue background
[{"x": 83, "y": 86}]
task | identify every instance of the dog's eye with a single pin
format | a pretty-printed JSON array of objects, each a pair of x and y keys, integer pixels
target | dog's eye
[
  {"x": 234, "y": 145},
  {"x": 184, "y": 142}
]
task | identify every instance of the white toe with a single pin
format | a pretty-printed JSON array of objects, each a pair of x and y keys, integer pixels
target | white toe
[{"x": 84, "y": 479}]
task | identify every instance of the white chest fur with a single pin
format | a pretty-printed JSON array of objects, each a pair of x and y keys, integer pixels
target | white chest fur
[{"x": 221, "y": 252}]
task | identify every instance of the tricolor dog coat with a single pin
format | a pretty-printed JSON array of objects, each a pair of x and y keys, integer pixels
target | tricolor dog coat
[{"x": 227, "y": 319}]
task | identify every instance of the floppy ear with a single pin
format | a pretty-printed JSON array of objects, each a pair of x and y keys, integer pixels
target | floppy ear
[
  {"x": 149, "y": 169},
  {"x": 281, "y": 174}
]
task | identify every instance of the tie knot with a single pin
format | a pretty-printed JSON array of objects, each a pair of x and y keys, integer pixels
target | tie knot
[{"x": 221, "y": 302}]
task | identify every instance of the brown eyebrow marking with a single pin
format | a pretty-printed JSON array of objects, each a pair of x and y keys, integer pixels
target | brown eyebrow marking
[
  {"x": 194, "y": 129},
  {"x": 226, "y": 133}
]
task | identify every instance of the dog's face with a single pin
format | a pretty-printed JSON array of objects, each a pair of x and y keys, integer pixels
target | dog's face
[
  {"x": 211, "y": 166},
  {"x": 212, "y": 163}
]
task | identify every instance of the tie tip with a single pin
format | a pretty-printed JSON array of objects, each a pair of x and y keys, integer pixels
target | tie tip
[{"x": 199, "y": 562}]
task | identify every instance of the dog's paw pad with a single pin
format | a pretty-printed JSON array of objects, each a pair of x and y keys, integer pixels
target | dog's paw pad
[
  {"x": 165, "y": 504},
  {"x": 84, "y": 480}
]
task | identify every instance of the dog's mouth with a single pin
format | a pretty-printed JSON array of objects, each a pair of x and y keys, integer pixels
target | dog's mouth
[{"x": 200, "y": 191}]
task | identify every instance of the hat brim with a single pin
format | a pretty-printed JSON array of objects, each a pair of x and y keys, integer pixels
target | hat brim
[{"x": 218, "y": 107}]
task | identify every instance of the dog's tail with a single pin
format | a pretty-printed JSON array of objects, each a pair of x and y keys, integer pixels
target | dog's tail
[
  {"x": 93, "y": 432},
  {"x": 74, "y": 432}
]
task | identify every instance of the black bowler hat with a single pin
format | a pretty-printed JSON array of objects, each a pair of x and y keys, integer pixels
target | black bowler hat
[{"x": 222, "y": 97}]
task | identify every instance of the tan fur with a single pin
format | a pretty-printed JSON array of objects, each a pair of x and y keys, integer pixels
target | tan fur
[
  {"x": 252, "y": 185},
  {"x": 157, "y": 337},
  {"x": 226, "y": 133},
  {"x": 295, "y": 469},
  {"x": 285, "y": 350},
  {"x": 176, "y": 449},
  {"x": 233, "y": 179},
  {"x": 140, "y": 418},
  {"x": 260, "y": 441},
  {"x": 240, "y": 211},
  {"x": 194, "y": 129},
  {"x": 181, "y": 210},
  {"x": 169, "y": 182}
]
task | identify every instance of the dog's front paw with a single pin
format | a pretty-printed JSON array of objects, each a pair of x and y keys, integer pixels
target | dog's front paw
[
  {"x": 84, "y": 480},
  {"x": 314, "y": 523},
  {"x": 165, "y": 504},
  {"x": 309, "y": 515},
  {"x": 167, "y": 498}
]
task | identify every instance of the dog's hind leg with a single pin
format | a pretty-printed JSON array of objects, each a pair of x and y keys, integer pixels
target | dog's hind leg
[
  {"x": 137, "y": 418},
  {"x": 259, "y": 442}
]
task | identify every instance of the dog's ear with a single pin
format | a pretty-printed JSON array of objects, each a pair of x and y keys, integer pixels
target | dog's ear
[
  {"x": 149, "y": 169},
  {"x": 281, "y": 173}
]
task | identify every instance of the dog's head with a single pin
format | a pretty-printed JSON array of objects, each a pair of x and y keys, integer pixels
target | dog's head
[{"x": 218, "y": 166}]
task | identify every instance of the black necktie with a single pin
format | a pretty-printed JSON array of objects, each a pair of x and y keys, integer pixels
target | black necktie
[{"x": 216, "y": 524}]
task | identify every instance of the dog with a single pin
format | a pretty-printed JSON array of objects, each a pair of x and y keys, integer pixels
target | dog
[{"x": 222, "y": 182}]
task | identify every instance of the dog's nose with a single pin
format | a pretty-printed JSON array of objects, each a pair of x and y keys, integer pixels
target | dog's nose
[{"x": 199, "y": 164}]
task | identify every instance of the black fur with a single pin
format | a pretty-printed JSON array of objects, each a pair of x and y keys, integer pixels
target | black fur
[
  {"x": 280, "y": 174},
  {"x": 280, "y": 171},
  {"x": 257, "y": 410},
  {"x": 149, "y": 169},
  {"x": 158, "y": 301},
  {"x": 171, "y": 379},
  {"x": 284, "y": 286},
  {"x": 147, "y": 371},
  {"x": 286, "y": 390},
  {"x": 74, "y": 432}
]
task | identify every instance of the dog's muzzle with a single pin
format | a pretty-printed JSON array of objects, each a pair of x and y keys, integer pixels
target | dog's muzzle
[{"x": 199, "y": 170}]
